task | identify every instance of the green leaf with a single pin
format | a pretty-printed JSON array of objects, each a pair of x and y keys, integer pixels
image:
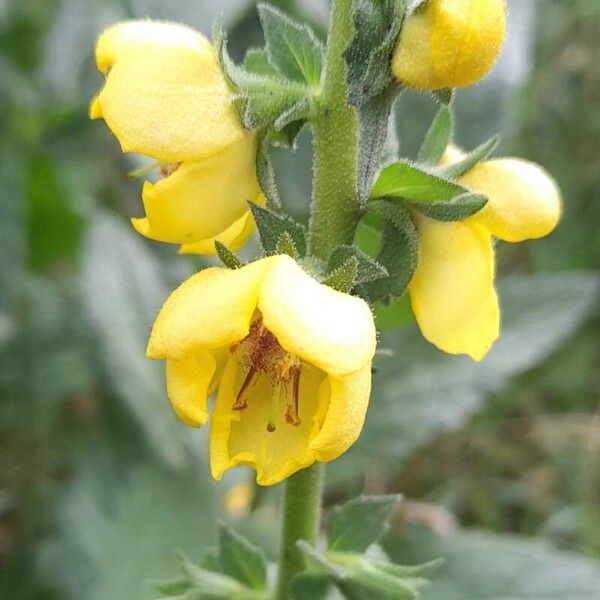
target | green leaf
[
  {"x": 487, "y": 566},
  {"x": 256, "y": 61},
  {"x": 210, "y": 583},
  {"x": 466, "y": 164},
  {"x": 119, "y": 271},
  {"x": 367, "y": 268},
  {"x": 343, "y": 277},
  {"x": 424, "y": 392},
  {"x": 359, "y": 523},
  {"x": 272, "y": 225},
  {"x": 262, "y": 95},
  {"x": 374, "y": 118},
  {"x": 227, "y": 257},
  {"x": 266, "y": 172},
  {"x": 311, "y": 586},
  {"x": 398, "y": 253},
  {"x": 241, "y": 560},
  {"x": 413, "y": 183},
  {"x": 438, "y": 137},
  {"x": 102, "y": 519},
  {"x": 170, "y": 587},
  {"x": 457, "y": 209},
  {"x": 292, "y": 47}
]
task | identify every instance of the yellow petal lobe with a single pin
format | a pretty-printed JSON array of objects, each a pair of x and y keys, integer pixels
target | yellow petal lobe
[
  {"x": 328, "y": 329},
  {"x": 209, "y": 310},
  {"x": 523, "y": 199},
  {"x": 165, "y": 95},
  {"x": 201, "y": 199},
  {"x": 188, "y": 382},
  {"x": 452, "y": 292},
  {"x": 346, "y": 412},
  {"x": 450, "y": 43}
]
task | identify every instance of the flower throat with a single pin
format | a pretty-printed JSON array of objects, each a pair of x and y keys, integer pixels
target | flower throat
[{"x": 261, "y": 354}]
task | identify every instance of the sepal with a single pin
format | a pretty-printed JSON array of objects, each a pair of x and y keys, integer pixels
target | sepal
[
  {"x": 398, "y": 252},
  {"x": 274, "y": 227},
  {"x": 227, "y": 257}
]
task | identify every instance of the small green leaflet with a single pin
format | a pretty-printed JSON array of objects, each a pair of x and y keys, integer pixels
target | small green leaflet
[
  {"x": 466, "y": 164},
  {"x": 241, "y": 560},
  {"x": 457, "y": 209},
  {"x": 359, "y": 523},
  {"x": 410, "y": 182},
  {"x": 292, "y": 48},
  {"x": 227, "y": 257},
  {"x": 438, "y": 137}
]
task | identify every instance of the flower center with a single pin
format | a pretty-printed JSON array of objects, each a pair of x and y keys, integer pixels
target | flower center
[{"x": 260, "y": 354}]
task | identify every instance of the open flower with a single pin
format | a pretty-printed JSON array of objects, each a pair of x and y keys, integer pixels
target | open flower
[
  {"x": 452, "y": 292},
  {"x": 293, "y": 359},
  {"x": 449, "y": 43},
  {"x": 166, "y": 97}
]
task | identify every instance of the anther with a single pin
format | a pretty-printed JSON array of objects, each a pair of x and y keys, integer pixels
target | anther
[
  {"x": 292, "y": 415},
  {"x": 274, "y": 407},
  {"x": 240, "y": 402}
]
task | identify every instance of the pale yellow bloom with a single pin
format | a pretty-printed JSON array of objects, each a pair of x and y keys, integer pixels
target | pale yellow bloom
[
  {"x": 166, "y": 97},
  {"x": 452, "y": 292},
  {"x": 449, "y": 43},
  {"x": 297, "y": 374}
]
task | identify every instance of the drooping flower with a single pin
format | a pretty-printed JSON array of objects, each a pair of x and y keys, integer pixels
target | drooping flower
[
  {"x": 449, "y": 43},
  {"x": 290, "y": 359},
  {"x": 452, "y": 292},
  {"x": 166, "y": 97}
]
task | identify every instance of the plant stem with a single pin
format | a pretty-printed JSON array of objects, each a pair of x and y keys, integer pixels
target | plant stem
[
  {"x": 334, "y": 219},
  {"x": 301, "y": 516},
  {"x": 335, "y": 130}
]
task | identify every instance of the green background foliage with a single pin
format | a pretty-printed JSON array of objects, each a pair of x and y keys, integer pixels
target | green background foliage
[{"x": 99, "y": 482}]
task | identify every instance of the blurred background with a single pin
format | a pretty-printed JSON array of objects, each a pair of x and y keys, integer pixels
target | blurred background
[{"x": 499, "y": 462}]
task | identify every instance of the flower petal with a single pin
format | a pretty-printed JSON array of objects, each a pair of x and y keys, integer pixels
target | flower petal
[
  {"x": 452, "y": 292},
  {"x": 209, "y": 310},
  {"x": 346, "y": 412},
  {"x": 234, "y": 237},
  {"x": 328, "y": 329},
  {"x": 524, "y": 201},
  {"x": 201, "y": 199},
  {"x": 165, "y": 94},
  {"x": 188, "y": 383},
  {"x": 242, "y": 438}
]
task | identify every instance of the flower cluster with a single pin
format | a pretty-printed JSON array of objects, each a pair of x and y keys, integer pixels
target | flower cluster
[{"x": 287, "y": 355}]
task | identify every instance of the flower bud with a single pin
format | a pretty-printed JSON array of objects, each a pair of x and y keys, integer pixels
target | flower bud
[{"x": 449, "y": 43}]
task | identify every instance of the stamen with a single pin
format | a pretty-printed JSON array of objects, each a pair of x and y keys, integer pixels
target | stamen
[
  {"x": 137, "y": 173},
  {"x": 292, "y": 415},
  {"x": 274, "y": 407},
  {"x": 240, "y": 402}
]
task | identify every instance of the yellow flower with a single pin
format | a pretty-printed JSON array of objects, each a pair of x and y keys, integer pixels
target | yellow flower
[
  {"x": 452, "y": 292},
  {"x": 449, "y": 43},
  {"x": 166, "y": 97},
  {"x": 295, "y": 358}
]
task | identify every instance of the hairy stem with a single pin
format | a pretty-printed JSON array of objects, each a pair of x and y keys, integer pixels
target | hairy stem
[
  {"x": 335, "y": 130},
  {"x": 302, "y": 512}
]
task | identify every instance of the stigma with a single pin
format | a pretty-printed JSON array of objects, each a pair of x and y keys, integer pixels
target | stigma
[{"x": 261, "y": 355}]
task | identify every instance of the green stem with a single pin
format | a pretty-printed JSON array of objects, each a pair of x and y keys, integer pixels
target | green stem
[
  {"x": 301, "y": 516},
  {"x": 334, "y": 219},
  {"x": 335, "y": 130}
]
